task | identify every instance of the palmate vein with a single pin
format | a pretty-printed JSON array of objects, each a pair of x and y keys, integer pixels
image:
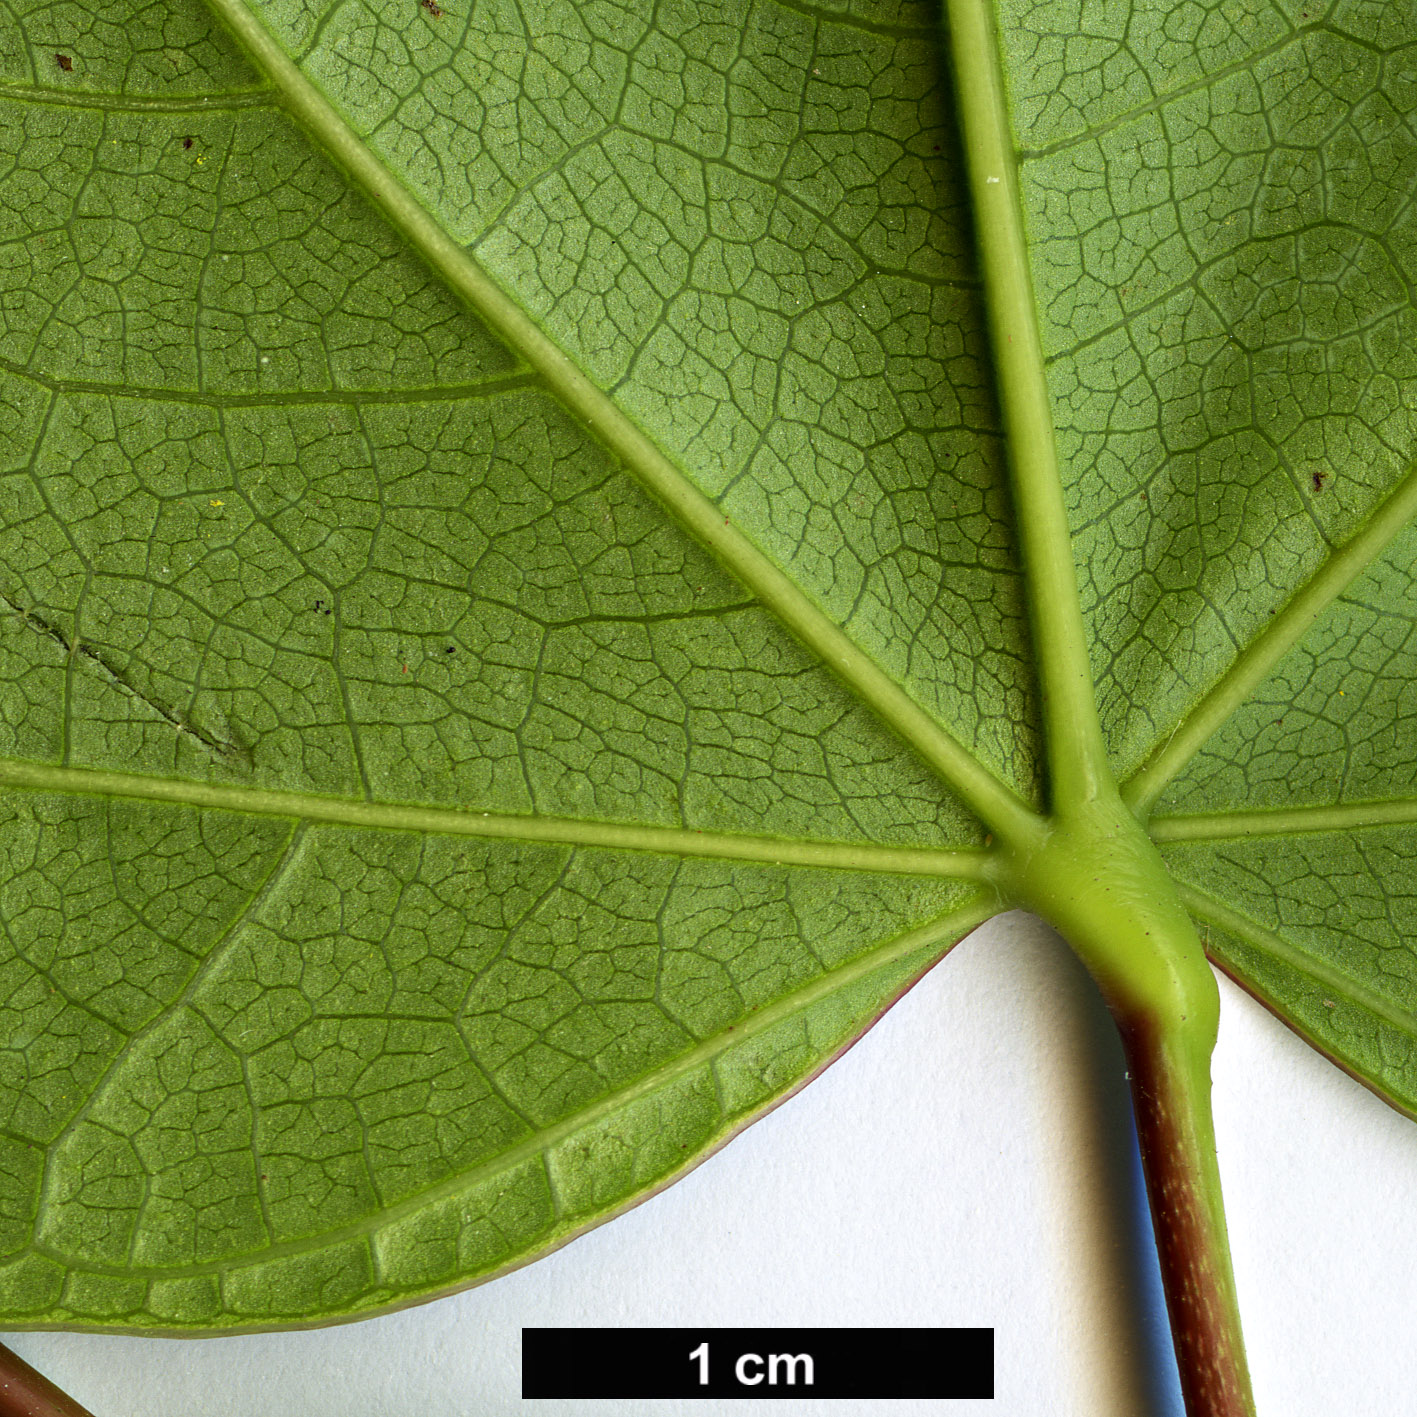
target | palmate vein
[
  {"x": 1074, "y": 742},
  {"x": 1077, "y": 754},
  {"x": 1291, "y": 821},
  {"x": 995, "y": 803},
  {"x": 963, "y": 864},
  {"x": 852, "y": 987},
  {"x": 1207, "y": 908},
  {"x": 1264, "y": 652}
]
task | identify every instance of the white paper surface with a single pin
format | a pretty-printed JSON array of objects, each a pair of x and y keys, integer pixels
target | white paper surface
[{"x": 965, "y": 1164}]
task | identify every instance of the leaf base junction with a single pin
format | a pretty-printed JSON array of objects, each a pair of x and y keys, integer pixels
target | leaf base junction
[{"x": 1093, "y": 873}]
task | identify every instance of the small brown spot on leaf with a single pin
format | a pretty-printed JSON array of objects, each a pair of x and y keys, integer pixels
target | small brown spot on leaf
[
  {"x": 186, "y": 142},
  {"x": 433, "y": 8},
  {"x": 1319, "y": 479},
  {"x": 65, "y": 63}
]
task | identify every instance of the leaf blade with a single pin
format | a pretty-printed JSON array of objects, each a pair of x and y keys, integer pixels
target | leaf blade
[
  {"x": 1174, "y": 216},
  {"x": 306, "y": 1251},
  {"x": 994, "y": 801},
  {"x": 1306, "y": 961},
  {"x": 293, "y": 530}
]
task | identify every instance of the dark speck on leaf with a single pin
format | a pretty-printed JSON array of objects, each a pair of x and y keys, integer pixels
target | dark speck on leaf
[
  {"x": 1319, "y": 479},
  {"x": 65, "y": 63},
  {"x": 451, "y": 648},
  {"x": 186, "y": 142},
  {"x": 433, "y": 8}
]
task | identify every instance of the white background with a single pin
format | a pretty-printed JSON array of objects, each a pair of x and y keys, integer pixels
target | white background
[{"x": 967, "y": 1163}]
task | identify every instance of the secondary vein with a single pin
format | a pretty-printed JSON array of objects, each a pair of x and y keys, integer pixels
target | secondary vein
[
  {"x": 135, "y": 103},
  {"x": 1289, "y": 821},
  {"x": 967, "y": 864},
  {"x": 1277, "y": 947},
  {"x": 1255, "y": 661},
  {"x": 944, "y": 930},
  {"x": 493, "y": 386},
  {"x": 1208, "y": 80},
  {"x": 992, "y": 800}
]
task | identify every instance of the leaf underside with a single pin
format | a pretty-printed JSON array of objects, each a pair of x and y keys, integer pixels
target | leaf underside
[{"x": 418, "y": 844}]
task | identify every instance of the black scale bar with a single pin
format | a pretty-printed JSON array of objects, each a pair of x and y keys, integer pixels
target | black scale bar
[{"x": 758, "y": 1362}]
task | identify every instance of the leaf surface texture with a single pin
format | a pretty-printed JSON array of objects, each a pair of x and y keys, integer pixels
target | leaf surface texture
[{"x": 419, "y": 843}]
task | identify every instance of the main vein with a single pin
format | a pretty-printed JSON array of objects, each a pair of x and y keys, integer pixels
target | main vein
[
  {"x": 963, "y": 864},
  {"x": 993, "y": 801},
  {"x": 1077, "y": 755},
  {"x": 1261, "y": 655}
]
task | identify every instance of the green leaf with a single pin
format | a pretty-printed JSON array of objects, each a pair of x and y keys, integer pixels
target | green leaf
[
  {"x": 418, "y": 845},
  {"x": 515, "y": 635}
]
